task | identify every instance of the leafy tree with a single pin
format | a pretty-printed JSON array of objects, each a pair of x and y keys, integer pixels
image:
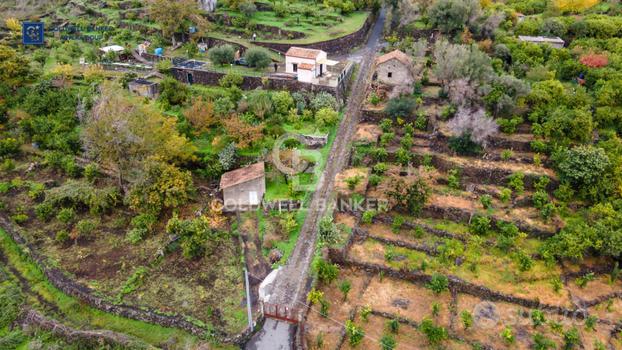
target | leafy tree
[
  {"x": 326, "y": 117},
  {"x": 410, "y": 196},
  {"x": 222, "y": 54},
  {"x": 480, "y": 225},
  {"x": 227, "y": 157},
  {"x": 323, "y": 100},
  {"x": 160, "y": 186},
  {"x": 173, "y": 92},
  {"x": 195, "y": 235},
  {"x": 172, "y": 16},
  {"x": 243, "y": 133},
  {"x": 257, "y": 57},
  {"x": 247, "y": 8},
  {"x": 476, "y": 124},
  {"x": 201, "y": 115},
  {"x": 14, "y": 68},
  {"x": 400, "y": 107},
  {"x": 124, "y": 133},
  {"x": 450, "y": 16},
  {"x": 584, "y": 167}
]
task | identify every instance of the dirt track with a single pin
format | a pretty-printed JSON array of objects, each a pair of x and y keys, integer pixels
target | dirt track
[{"x": 290, "y": 287}]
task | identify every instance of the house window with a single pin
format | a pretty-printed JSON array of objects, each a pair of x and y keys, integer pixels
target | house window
[
  {"x": 390, "y": 75},
  {"x": 295, "y": 67}
]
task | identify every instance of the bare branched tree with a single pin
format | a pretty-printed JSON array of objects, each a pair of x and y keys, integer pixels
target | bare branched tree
[{"x": 473, "y": 122}]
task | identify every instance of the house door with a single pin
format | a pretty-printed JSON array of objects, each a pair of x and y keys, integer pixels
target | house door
[
  {"x": 321, "y": 69},
  {"x": 295, "y": 67},
  {"x": 252, "y": 198},
  {"x": 190, "y": 79}
]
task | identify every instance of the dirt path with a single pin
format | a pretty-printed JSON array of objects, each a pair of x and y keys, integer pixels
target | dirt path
[{"x": 290, "y": 286}]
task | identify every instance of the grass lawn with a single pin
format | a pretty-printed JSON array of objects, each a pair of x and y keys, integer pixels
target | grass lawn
[{"x": 332, "y": 25}]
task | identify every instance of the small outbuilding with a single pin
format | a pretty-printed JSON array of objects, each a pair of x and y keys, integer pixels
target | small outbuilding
[
  {"x": 144, "y": 87},
  {"x": 243, "y": 188},
  {"x": 555, "y": 42},
  {"x": 395, "y": 68},
  {"x": 307, "y": 64}
]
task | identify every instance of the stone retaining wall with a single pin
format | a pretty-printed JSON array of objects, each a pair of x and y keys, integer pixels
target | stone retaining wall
[
  {"x": 459, "y": 285},
  {"x": 88, "y": 296},
  {"x": 338, "y": 45},
  {"x": 205, "y": 77}
]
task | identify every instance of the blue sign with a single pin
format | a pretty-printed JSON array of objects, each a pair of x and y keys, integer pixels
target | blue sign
[
  {"x": 32, "y": 33},
  {"x": 159, "y": 51}
]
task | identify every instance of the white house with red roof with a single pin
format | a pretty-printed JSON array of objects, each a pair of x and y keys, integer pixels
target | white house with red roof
[{"x": 307, "y": 64}]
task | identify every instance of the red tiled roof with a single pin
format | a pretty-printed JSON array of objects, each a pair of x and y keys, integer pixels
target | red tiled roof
[
  {"x": 395, "y": 54},
  {"x": 238, "y": 176},
  {"x": 305, "y": 66},
  {"x": 303, "y": 53}
]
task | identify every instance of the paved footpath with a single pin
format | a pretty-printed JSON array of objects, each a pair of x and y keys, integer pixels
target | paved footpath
[{"x": 290, "y": 287}]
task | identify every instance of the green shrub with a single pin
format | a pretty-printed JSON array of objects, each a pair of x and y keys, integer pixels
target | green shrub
[
  {"x": 62, "y": 236},
  {"x": 380, "y": 168},
  {"x": 486, "y": 201},
  {"x": 221, "y": 55},
  {"x": 537, "y": 318},
  {"x": 19, "y": 218},
  {"x": 480, "y": 225},
  {"x": 540, "y": 342},
  {"x": 393, "y": 326},
  {"x": 85, "y": 227},
  {"x": 374, "y": 99},
  {"x": 505, "y": 195},
  {"x": 453, "y": 179},
  {"x": 11, "y": 300},
  {"x": 402, "y": 107},
  {"x": 507, "y": 335},
  {"x": 421, "y": 123},
  {"x": 539, "y": 199},
  {"x": 91, "y": 171},
  {"x": 355, "y": 333},
  {"x": 434, "y": 334},
  {"x": 397, "y": 223},
  {"x": 368, "y": 216},
  {"x": 506, "y": 154},
  {"x": 257, "y": 57},
  {"x": 572, "y": 339},
  {"x": 515, "y": 182},
  {"x": 5, "y": 187},
  {"x": 387, "y": 342},
  {"x": 374, "y": 179},
  {"x": 524, "y": 261},
  {"x": 438, "y": 283},
  {"x": 386, "y": 124},
  {"x": 467, "y": 319},
  {"x": 464, "y": 145},
  {"x": 44, "y": 211},
  {"x": 326, "y": 272},
  {"x": 365, "y": 312},
  {"x": 8, "y": 147},
  {"x": 65, "y": 215}
]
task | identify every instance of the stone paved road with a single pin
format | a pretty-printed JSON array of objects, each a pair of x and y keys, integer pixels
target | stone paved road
[{"x": 290, "y": 287}]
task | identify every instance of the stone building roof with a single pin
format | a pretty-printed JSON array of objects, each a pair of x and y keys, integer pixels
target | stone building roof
[
  {"x": 242, "y": 175},
  {"x": 397, "y": 55},
  {"x": 302, "y": 52}
]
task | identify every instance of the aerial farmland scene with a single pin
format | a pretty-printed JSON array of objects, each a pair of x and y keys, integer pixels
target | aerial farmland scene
[{"x": 305, "y": 174}]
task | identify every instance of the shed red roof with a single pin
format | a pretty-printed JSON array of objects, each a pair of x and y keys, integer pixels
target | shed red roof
[
  {"x": 303, "y": 52},
  {"x": 395, "y": 54},
  {"x": 305, "y": 66},
  {"x": 242, "y": 175}
]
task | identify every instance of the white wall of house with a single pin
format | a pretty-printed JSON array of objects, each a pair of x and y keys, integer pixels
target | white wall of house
[
  {"x": 305, "y": 75},
  {"x": 291, "y": 60}
]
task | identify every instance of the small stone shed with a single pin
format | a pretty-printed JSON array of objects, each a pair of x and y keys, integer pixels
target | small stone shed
[
  {"x": 144, "y": 87},
  {"x": 243, "y": 188},
  {"x": 555, "y": 42},
  {"x": 394, "y": 68}
]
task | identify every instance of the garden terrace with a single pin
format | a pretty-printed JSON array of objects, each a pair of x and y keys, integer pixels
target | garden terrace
[{"x": 375, "y": 300}]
